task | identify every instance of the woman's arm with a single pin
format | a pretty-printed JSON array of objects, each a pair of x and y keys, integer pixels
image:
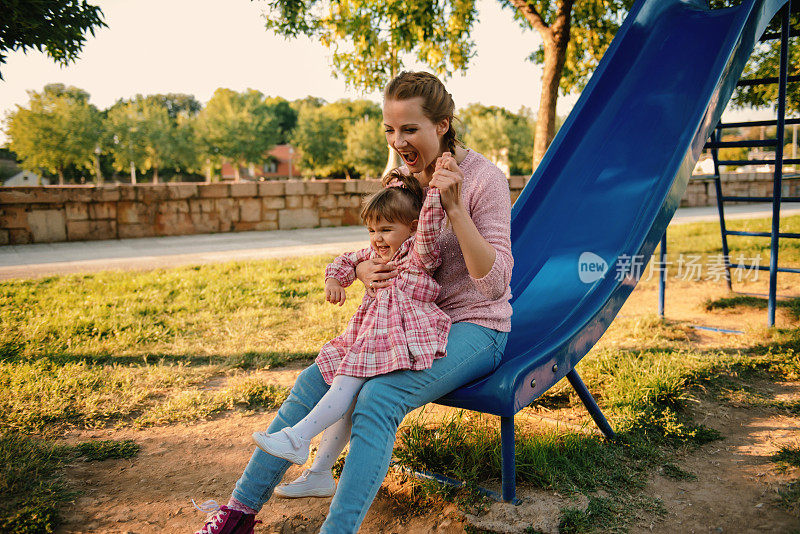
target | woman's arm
[
  {"x": 483, "y": 232},
  {"x": 479, "y": 254}
]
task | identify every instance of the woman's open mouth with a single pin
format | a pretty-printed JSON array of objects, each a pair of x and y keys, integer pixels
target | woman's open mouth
[{"x": 410, "y": 158}]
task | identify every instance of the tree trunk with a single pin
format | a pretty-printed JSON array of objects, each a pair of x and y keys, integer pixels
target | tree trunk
[
  {"x": 97, "y": 172},
  {"x": 60, "y": 176},
  {"x": 208, "y": 170},
  {"x": 236, "y": 177},
  {"x": 555, "y": 38},
  {"x": 155, "y": 175},
  {"x": 555, "y": 55},
  {"x": 546, "y": 116}
]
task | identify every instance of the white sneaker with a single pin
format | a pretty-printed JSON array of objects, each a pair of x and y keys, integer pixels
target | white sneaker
[
  {"x": 283, "y": 444},
  {"x": 309, "y": 484}
]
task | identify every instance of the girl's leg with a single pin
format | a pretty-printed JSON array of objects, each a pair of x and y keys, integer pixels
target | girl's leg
[
  {"x": 333, "y": 406},
  {"x": 333, "y": 442},
  {"x": 264, "y": 471},
  {"x": 317, "y": 481},
  {"x": 292, "y": 443},
  {"x": 472, "y": 351}
]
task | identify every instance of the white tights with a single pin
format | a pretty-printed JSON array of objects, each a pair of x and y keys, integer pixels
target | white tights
[{"x": 332, "y": 414}]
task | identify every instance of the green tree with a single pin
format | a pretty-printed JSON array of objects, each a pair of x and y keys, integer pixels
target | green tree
[
  {"x": 143, "y": 134},
  {"x": 237, "y": 127},
  {"x": 575, "y": 35},
  {"x": 180, "y": 143},
  {"x": 320, "y": 142},
  {"x": 372, "y": 40},
  {"x": 501, "y": 135},
  {"x": 365, "y": 145},
  {"x": 57, "y": 27},
  {"x": 369, "y": 40},
  {"x": 765, "y": 61},
  {"x": 59, "y": 128},
  {"x": 285, "y": 116}
]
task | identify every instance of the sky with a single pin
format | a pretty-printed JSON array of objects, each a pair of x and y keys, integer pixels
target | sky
[{"x": 196, "y": 46}]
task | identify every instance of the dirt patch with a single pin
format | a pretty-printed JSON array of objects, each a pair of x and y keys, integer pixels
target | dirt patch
[
  {"x": 735, "y": 489},
  {"x": 736, "y": 485}
]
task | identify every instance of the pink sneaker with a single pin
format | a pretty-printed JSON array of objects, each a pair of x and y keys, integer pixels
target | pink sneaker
[{"x": 224, "y": 520}]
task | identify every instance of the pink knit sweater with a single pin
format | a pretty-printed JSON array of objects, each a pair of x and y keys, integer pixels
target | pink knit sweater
[{"x": 483, "y": 301}]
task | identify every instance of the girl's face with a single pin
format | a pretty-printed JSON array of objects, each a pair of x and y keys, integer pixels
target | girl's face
[
  {"x": 414, "y": 136},
  {"x": 386, "y": 237}
]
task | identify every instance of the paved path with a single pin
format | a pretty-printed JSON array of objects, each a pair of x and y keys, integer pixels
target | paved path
[{"x": 43, "y": 259}]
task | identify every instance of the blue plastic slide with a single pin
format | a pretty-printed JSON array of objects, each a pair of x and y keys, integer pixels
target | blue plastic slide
[{"x": 601, "y": 199}]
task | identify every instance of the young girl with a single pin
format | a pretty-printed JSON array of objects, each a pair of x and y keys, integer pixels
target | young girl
[{"x": 397, "y": 327}]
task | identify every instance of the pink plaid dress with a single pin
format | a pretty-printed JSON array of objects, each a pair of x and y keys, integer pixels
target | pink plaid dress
[{"x": 401, "y": 327}]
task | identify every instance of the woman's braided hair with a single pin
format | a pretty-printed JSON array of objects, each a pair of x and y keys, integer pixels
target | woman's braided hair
[
  {"x": 437, "y": 103},
  {"x": 401, "y": 203}
]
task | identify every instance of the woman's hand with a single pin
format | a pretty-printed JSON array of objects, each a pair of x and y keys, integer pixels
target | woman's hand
[
  {"x": 447, "y": 178},
  {"x": 334, "y": 292},
  {"x": 375, "y": 274}
]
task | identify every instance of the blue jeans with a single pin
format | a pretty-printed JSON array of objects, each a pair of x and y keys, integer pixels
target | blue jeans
[{"x": 472, "y": 351}]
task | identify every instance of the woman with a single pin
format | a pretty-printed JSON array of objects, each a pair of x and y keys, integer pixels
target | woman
[{"x": 475, "y": 274}]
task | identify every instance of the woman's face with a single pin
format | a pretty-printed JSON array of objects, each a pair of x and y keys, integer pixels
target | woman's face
[{"x": 412, "y": 135}]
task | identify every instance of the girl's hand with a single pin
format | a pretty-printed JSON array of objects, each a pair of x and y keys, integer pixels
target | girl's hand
[
  {"x": 334, "y": 292},
  {"x": 447, "y": 178},
  {"x": 375, "y": 274}
]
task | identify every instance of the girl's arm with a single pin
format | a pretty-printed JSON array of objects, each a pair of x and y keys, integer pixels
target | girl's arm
[
  {"x": 488, "y": 259},
  {"x": 343, "y": 268},
  {"x": 431, "y": 220}
]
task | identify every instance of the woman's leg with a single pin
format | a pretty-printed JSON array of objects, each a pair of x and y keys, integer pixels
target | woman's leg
[
  {"x": 264, "y": 471},
  {"x": 472, "y": 351}
]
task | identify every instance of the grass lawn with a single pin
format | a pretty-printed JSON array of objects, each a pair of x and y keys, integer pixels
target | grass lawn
[{"x": 177, "y": 346}]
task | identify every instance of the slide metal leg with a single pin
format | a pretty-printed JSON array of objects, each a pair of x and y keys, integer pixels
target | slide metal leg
[
  {"x": 662, "y": 274},
  {"x": 509, "y": 468},
  {"x": 591, "y": 405}
]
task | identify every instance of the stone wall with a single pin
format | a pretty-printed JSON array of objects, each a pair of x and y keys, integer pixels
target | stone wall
[
  {"x": 79, "y": 213},
  {"x": 701, "y": 190}
]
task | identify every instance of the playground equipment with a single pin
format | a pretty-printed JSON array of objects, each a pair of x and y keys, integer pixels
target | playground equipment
[
  {"x": 777, "y": 197},
  {"x": 605, "y": 192}
]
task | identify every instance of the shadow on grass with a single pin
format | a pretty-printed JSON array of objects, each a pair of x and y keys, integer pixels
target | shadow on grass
[
  {"x": 31, "y": 490},
  {"x": 12, "y": 353},
  {"x": 748, "y": 301}
]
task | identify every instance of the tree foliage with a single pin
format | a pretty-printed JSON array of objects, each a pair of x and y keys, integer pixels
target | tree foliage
[
  {"x": 142, "y": 133},
  {"x": 765, "y": 62},
  {"x": 320, "y": 142},
  {"x": 237, "y": 127},
  {"x": 59, "y": 128},
  {"x": 575, "y": 35},
  {"x": 504, "y": 137},
  {"x": 370, "y": 40},
  {"x": 322, "y": 134},
  {"x": 592, "y": 27},
  {"x": 285, "y": 117},
  {"x": 365, "y": 146},
  {"x": 56, "y": 27}
]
